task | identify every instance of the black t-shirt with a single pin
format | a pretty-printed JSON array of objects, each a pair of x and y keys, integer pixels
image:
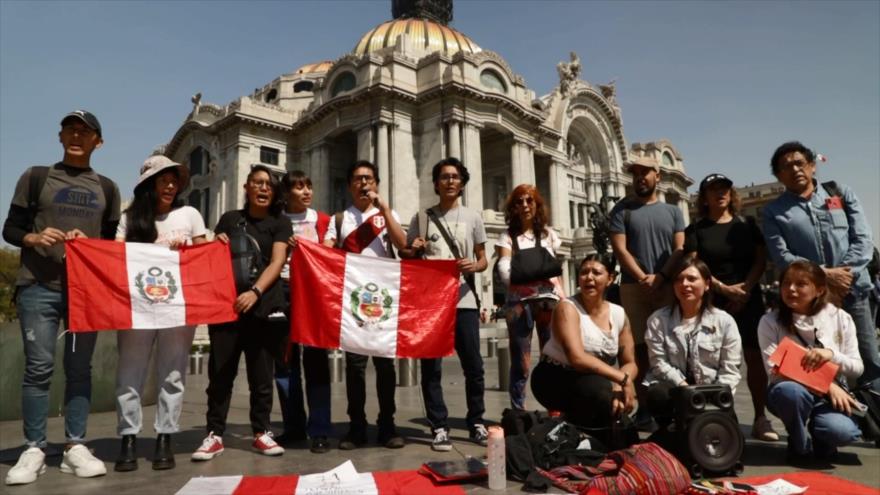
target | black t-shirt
[
  {"x": 728, "y": 249},
  {"x": 265, "y": 231}
]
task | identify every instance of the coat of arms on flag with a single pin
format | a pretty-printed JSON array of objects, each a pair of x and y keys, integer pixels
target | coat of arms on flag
[
  {"x": 373, "y": 306},
  {"x": 157, "y": 286}
]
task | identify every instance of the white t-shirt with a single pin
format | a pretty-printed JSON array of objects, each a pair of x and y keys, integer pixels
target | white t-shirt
[
  {"x": 596, "y": 342},
  {"x": 180, "y": 224},
  {"x": 304, "y": 225},
  {"x": 542, "y": 288},
  {"x": 352, "y": 218}
]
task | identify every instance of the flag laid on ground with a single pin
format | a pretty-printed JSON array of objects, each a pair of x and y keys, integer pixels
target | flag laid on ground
[
  {"x": 116, "y": 286},
  {"x": 373, "y": 306},
  {"x": 378, "y": 483}
]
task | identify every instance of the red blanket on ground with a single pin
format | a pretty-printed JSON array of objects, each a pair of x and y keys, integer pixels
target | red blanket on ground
[
  {"x": 818, "y": 483},
  {"x": 387, "y": 483}
]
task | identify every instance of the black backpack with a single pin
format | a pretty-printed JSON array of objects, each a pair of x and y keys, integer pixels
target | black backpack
[
  {"x": 869, "y": 395},
  {"x": 247, "y": 259}
]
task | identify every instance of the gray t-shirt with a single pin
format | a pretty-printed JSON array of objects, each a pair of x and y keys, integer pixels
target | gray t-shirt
[
  {"x": 649, "y": 232},
  {"x": 466, "y": 227},
  {"x": 71, "y": 198}
]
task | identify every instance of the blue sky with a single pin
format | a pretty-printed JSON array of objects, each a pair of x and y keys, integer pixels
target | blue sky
[{"x": 726, "y": 82}]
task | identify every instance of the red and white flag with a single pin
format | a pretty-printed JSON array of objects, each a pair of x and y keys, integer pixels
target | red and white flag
[
  {"x": 373, "y": 306},
  {"x": 116, "y": 286}
]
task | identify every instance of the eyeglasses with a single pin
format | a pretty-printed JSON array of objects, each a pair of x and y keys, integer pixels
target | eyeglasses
[
  {"x": 528, "y": 200},
  {"x": 81, "y": 130},
  {"x": 261, "y": 184},
  {"x": 451, "y": 178},
  {"x": 366, "y": 179},
  {"x": 801, "y": 164}
]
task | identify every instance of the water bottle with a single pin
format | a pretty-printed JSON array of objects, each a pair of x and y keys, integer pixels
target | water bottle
[{"x": 497, "y": 461}]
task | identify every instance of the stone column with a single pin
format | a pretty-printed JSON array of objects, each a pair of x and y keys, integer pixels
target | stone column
[
  {"x": 473, "y": 160},
  {"x": 404, "y": 180},
  {"x": 454, "y": 140},
  {"x": 682, "y": 203},
  {"x": 382, "y": 160},
  {"x": 522, "y": 164},
  {"x": 320, "y": 175},
  {"x": 558, "y": 210},
  {"x": 365, "y": 143}
]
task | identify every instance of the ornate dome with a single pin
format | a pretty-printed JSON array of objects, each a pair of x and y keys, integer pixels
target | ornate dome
[
  {"x": 322, "y": 66},
  {"x": 429, "y": 34}
]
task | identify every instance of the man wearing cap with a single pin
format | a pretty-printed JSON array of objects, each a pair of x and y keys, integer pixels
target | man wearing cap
[
  {"x": 647, "y": 236},
  {"x": 50, "y": 205},
  {"x": 824, "y": 223}
]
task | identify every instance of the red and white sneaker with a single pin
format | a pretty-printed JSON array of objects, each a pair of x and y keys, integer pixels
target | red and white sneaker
[
  {"x": 266, "y": 445},
  {"x": 212, "y": 446}
]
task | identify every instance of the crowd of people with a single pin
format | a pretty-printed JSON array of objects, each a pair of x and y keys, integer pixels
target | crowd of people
[{"x": 690, "y": 309}]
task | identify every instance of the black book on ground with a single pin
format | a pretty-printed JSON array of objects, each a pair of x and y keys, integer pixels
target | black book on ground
[{"x": 442, "y": 471}]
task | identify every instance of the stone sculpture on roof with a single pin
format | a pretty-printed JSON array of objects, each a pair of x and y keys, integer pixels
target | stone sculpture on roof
[
  {"x": 435, "y": 10},
  {"x": 569, "y": 72}
]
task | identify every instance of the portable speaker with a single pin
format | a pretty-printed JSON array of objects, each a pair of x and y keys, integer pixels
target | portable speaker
[{"x": 712, "y": 441}]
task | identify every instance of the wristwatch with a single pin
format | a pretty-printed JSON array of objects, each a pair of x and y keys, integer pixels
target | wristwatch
[{"x": 256, "y": 290}]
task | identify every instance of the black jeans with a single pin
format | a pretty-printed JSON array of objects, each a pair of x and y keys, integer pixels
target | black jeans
[
  {"x": 288, "y": 382},
  {"x": 356, "y": 391},
  {"x": 584, "y": 398},
  {"x": 467, "y": 346},
  {"x": 261, "y": 342}
]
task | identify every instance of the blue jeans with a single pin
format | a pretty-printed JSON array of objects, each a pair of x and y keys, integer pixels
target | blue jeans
[
  {"x": 467, "y": 346},
  {"x": 288, "y": 382},
  {"x": 796, "y": 406},
  {"x": 866, "y": 334},
  {"x": 40, "y": 311},
  {"x": 521, "y": 319}
]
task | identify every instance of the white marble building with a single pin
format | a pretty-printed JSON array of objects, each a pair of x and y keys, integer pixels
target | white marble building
[{"x": 412, "y": 91}]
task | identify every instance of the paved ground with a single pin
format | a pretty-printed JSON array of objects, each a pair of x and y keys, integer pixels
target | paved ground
[{"x": 859, "y": 463}]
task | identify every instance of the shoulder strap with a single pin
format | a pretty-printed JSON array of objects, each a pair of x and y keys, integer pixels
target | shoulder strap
[
  {"x": 422, "y": 223},
  {"x": 514, "y": 246},
  {"x": 107, "y": 186},
  {"x": 469, "y": 278},
  {"x": 338, "y": 220},
  {"x": 832, "y": 189},
  {"x": 626, "y": 214},
  {"x": 37, "y": 180},
  {"x": 322, "y": 225}
]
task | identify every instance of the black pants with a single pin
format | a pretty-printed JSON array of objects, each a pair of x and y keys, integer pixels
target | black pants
[
  {"x": 467, "y": 346},
  {"x": 356, "y": 391},
  {"x": 261, "y": 342},
  {"x": 584, "y": 398}
]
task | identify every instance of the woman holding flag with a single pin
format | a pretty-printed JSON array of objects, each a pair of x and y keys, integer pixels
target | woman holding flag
[
  {"x": 261, "y": 328},
  {"x": 155, "y": 215}
]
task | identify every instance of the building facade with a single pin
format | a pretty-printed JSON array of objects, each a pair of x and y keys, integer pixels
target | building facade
[{"x": 414, "y": 90}]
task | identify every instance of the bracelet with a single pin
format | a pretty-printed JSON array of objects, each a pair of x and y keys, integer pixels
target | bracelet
[
  {"x": 256, "y": 290},
  {"x": 625, "y": 380}
]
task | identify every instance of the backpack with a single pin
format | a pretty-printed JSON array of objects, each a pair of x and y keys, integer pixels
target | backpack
[
  {"x": 38, "y": 177},
  {"x": 869, "y": 395},
  {"x": 247, "y": 259}
]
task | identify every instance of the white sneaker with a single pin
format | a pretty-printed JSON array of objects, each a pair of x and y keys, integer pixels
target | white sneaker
[
  {"x": 441, "y": 441},
  {"x": 79, "y": 460},
  {"x": 212, "y": 446},
  {"x": 31, "y": 463},
  {"x": 266, "y": 445}
]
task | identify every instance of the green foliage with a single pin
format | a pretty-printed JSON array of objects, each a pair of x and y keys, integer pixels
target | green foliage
[{"x": 8, "y": 272}]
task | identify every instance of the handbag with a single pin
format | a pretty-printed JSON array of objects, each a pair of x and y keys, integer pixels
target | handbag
[{"x": 532, "y": 264}]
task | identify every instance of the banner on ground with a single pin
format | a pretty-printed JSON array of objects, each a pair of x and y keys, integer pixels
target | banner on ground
[
  {"x": 116, "y": 286},
  {"x": 373, "y": 306}
]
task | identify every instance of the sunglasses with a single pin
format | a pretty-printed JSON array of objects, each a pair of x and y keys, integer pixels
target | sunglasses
[{"x": 528, "y": 200}]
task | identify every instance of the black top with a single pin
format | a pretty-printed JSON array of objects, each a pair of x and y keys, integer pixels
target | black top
[
  {"x": 265, "y": 231},
  {"x": 728, "y": 249}
]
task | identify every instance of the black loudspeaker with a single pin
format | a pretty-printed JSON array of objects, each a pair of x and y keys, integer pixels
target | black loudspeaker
[{"x": 711, "y": 441}]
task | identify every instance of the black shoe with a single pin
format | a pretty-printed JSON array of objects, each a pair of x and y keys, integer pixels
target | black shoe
[
  {"x": 352, "y": 441},
  {"x": 163, "y": 457},
  {"x": 287, "y": 439},
  {"x": 127, "y": 460},
  {"x": 391, "y": 440},
  {"x": 320, "y": 445}
]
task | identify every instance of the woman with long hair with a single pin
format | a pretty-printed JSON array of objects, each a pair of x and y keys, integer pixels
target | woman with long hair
[
  {"x": 690, "y": 342},
  {"x": 529, "y": 304},
  {"x": 733, "y": 249},
  {"x": 588, "y": 366},
  {"x": 261, "y": 329},
  {"x": 815, "y": 424},
  {"x": 156, "y": 215}
]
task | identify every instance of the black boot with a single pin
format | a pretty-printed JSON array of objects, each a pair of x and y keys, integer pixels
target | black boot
[
  {"x": 163, "y": 458},
  {"x": 127, "y": 460}
]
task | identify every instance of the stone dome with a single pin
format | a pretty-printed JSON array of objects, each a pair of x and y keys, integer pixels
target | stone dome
[{"x": 433, "y": 36}]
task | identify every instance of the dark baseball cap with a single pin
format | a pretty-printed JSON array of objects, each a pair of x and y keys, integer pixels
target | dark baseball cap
[
  {"x": 713, "y": 178},
  {"x": 87, "y": 118}
]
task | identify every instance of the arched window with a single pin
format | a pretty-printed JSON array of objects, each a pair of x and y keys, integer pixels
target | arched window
[
  {"x": 198, "y": 161},
  {"x": 302, "y": 86},
  {"x": 272, "y": 95},
  {"x": 491, "y": 80},
  {"x": 344, "y": 82},
  {"x": 668, "y": 161}
]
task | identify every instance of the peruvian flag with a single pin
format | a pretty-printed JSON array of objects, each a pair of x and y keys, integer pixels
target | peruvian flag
[
  {"x": 121, "y": 285},
  {"x": 373, "y": 306}
]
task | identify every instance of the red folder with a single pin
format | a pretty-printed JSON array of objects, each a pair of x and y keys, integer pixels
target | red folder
[{"x": 787, "y": 358}]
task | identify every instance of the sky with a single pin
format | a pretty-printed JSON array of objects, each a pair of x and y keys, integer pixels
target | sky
[{"x": 725, "y": 82}]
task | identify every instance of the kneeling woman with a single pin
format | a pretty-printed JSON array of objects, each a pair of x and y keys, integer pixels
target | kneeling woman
[
  {"x": 690, "y": 342},
  {"x": 577, "y": 373},
  {"x": 805, "y": 317}
]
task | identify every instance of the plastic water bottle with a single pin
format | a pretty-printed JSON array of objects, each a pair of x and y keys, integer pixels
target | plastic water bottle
[{"x": 497, "y": 461}]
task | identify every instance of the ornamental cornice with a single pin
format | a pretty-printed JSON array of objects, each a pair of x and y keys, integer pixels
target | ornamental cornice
[
  {"x": 488, "y": 55},
  {"x": 587, "y": 98}
]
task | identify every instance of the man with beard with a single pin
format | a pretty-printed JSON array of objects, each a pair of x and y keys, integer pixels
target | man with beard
[
  {"x": 647, "y": 236},
  {"x": 824, "y": 223}
]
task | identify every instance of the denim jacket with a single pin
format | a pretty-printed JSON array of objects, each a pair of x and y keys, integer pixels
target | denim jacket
[
  {"x": 713, "y": 349},
  {"x": 798, "y": 228}
]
